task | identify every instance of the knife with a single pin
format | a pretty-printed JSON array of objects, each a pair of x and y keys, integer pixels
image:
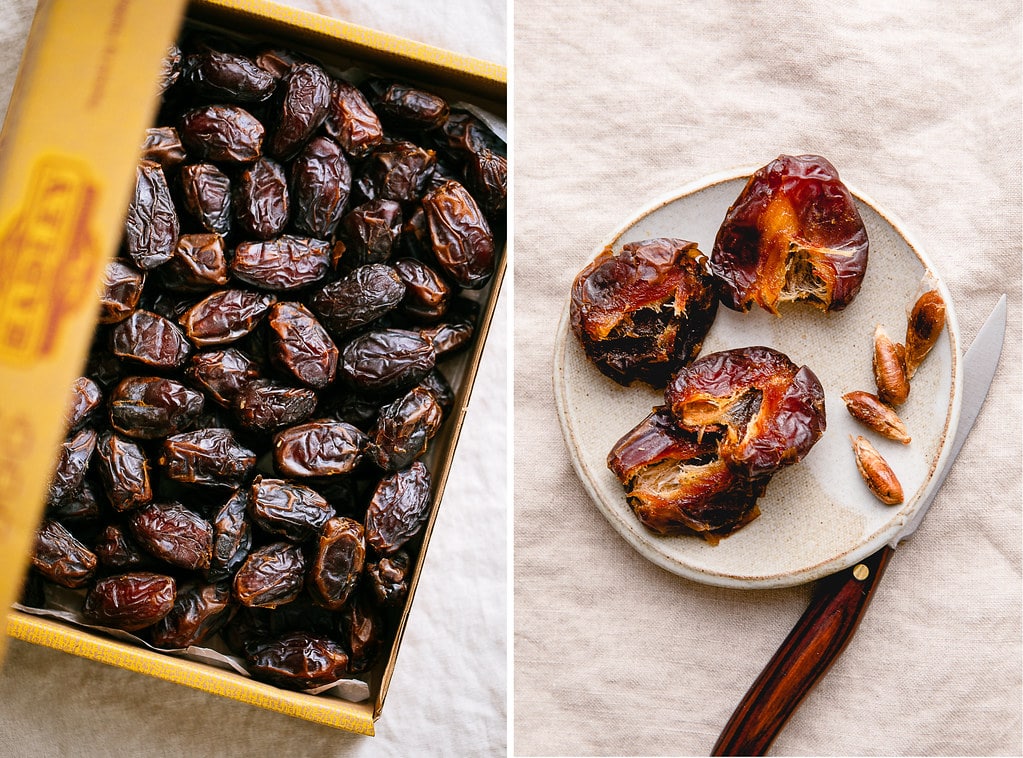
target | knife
[{"x": 841, "y": 599}]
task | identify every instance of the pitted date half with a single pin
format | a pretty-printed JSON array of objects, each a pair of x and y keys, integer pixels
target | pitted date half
[
  {"x": 287, "y": 509},
  {"x": 150, "y": 340},
  {"x": 351, "y": 121},
  {"x": 151, "y": 227},
  {"x": 340, "y": 557},
  {"x": 462, "y": 242},
  {"x": 60, "y": 557},
  {"x": 206, "y": 195},
  {"x": 360, "y": 298},
  {"x": 271, "y": 576},
  {"x": 262, "y": 202},
  {"x": 321, "y": 181},
  {"x": 222, "y": 133},
  {"x": 319, "y": 448},
  {"x": 200, "y": 610},
  {"x": 174, "y": 534},
  {"x": 766, "y": 411},
  {"x": 225, "y": 316},
  {"x": 404, "y": 428},
  {"x": 232, "y": 536},
  {"x": 130, "y": 601},
  {"x": 643, "y": 312},
  {"x": 299, "y": 661},
  {"x": 211, "y": 456},
  {"x": 284, "y": 264},
  {"x": 149, "y": 407},
  {"x": 398, "y": 509},
  {"x": 124, "y": 470},
  {"x": 793, "y": 235},
  {"x": 300, "y": 346},
  {"x": 121, "y": 291},
  {"x": 265, "y": 405},
  {"x": 387, "y": 360}
]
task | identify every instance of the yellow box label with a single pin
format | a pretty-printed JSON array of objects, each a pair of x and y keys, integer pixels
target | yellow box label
[{"x": 46, "y": 253}]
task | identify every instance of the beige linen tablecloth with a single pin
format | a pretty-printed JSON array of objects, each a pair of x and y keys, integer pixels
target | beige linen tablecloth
[
  {"x": 447, "y": 697},
  {"x": 617, "y": 104}
]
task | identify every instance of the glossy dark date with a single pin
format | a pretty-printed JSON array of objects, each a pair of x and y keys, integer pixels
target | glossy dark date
[
  {"x": 60, "y": 557},
  {"x": 225, "y": 76},
  {"x": 319, "y": 448},
  {"x": 266, "y": 405},
  {"x": 462, "y": 241},
  {"x": 149, "y": 407},
  {"x": 388, "y": 578},
  {"x": 321, "y": 181},
  {"x": 398, "y": 509},
  {"x": 209, "y": 456},
  {"x": 351, "y": 121},
  {"x": 206, "y": 195},
  {"x": 130, "y": 601},
  {"x": 299, "y": 661},
  {"x": 271, "y": 576},
  {"x": 286, "y": 509},
  {"x": 121, "y": 291},
  {"x": 152, "y": 340},
  {"x": 300, "y": 347},
  {"x": 366, "y": 294},
  {"x": 222, "y": 373},
  {"x": 174, "y": 534},
  {"x": 427, "y": 295},
  {"x": 284, "y": 264},
  {"x": 338, "y": 563},
  {"x": 222, "y": 133},
  {"x": 372, "y": 229},
  {"x": 304, "y": 102},
  {"x": 404, "y": 428},
  {"x": 200, "y": 610},
  {"x": 163, "y": 145},
  {"x": 387, "y": 360},
  {"x": 225, "y": 316},
  {"x": 151, "y": 227},
  {"x": 124, "y": 470},
  {"x": 199, "y": 264},
  {"x": 232, "y": 536},
  {"x": 72, "y": 463},
  {"x": 262, "y": 202}
]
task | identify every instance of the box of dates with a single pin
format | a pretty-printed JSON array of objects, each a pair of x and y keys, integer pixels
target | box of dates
[{"x": 252, "y": 286}]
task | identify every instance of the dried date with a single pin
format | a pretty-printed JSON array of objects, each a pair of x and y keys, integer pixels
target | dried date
[
  {"x": 404, "y": 428},
  {"x": 398, "y": 509},
  {"x": 289, "y": 510},
  {"x": 60, "y": 557},
  {"x": 303, "y": 106},
  {"x": 462, "y": 242},
  {"x": 321, "y": 181},
  {"x": 163, "y": 145},
  {"x": 225, "y": 316},
  {"x": 265, "y": 405},
  {"x": 262, "y": 203},
  {"x": 372, "y": 230},
  {"x": 121, "y": 291},
  {"x": 285, "y": 264},
  {"x": 319, "y": 448},
  {"x": 299, "y": 661},
  {"x": 300, "y": 346},
  {"x": 130, "y": 601},
  {"x": 226, "y": 76},
  {"x": 124, "y": 470},
  {"x": 151, "y": 227},
  {"x": 206, "y": 195},
  {"x": 351, "y": 121},
  {"x": 232, "y": 536},
  {"x": 222, "y": 133},
  {"x": 198, "y": 264},
  {"x": 200, "y": 611},
  {"x": 386, "y": 360},
  {"x": 271, "y": 576},
  {"x": 174, "y": 534},
  {"x": 363, "y": 634},
  {"x": 223, "y": 373},
  {"x": 427, "y": 295},
  {"x": 365, "y": 295},
  {"x": 210, "y": 456},
  {"x": 486, "y": 177},
  {"x": 397, "y": 171},
  {"x": 150, "y": 407},
  {"x": 151, "y": 340},
  {"x": 407, "y": 107},
  {"x": 72, "y": 463},
  {"x": 388, "y": 578},
  {"x": 116, "y": 549}
]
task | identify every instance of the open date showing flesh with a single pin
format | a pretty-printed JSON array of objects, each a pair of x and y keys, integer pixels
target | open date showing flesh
[
  {"x": 793, "y": 235},
  {"x": 643, "y": 312},
  {"x": 273, "y": 362}
]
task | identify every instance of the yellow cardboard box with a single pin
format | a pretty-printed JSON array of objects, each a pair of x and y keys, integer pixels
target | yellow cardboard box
[{"x": 86, "y": 92}]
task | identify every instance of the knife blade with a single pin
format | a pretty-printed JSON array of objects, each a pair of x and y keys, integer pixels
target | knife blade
[{"x": 840, "y": 600}]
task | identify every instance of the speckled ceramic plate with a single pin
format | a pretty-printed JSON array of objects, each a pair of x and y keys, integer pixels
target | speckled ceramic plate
[{"x": 817, "y": 517}]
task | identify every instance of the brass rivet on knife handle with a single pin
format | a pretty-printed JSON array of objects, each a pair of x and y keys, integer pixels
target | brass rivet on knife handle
[
  {"x": 85, "y": 93},
  {"x": 860, "y": 571}
]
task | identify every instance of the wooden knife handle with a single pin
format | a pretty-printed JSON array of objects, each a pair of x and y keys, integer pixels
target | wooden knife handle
[{"x": 806, "y": 654}]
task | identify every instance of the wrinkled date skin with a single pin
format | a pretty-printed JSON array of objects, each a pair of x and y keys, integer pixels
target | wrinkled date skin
[
  {"x": 398, "y": 509},
  {"x": 372, "y": 230},
  {"x": 225, "y": 316},
  {"x": 261, "y": 200},
  {"x": 300, "y": 346},
  {"x": 486, "y": 176},
  {"x": 149, "y": 407},
  {"x": 222, "y": 133},
  {"x": 407, "y": 107},
  {"x": 265, "y": 405},
  {"x": 286, "y": 509},
  {"x": 163, "y": 145},
  {"x": 462, "y": 241},
  {"x": 121, "y": 291},
  {"x": 217, "y": 75},
  {"x": 72, "y": 464},
  {"x": 271, "y": 576},
  {"x": 397, "y": 171},
  {"x": 130, "y": 601},
  {"x": 151, "y": 227},
  {"x": 174, "y": 534},
  {"x": 427, "y": 295},
  {"x": 642, "y": 313},
  {"x": 456, "y": 331},
  {"x": 387, "y": 360},
  {"x": 303, "y": 107},
  {"x": 404, "y": 428},
  {"x": 351, "y": 121},
  {"x": 767, "y": 411},
  {"x": 222, "y": 373},
  {"x": 116, "y": 549},
  {"x": 79, "y": 507},
  {"x": 207, "y": 456},
  {"x": 199, "y": 611},
  {"x": 676, "y": 483},
  {"x": 340, "y": 557},
  {"x": 321, "y": 181},
  {"x": 319, "y": 448},
  {"x": 388, "y": 578},
  {"x": 150, "y": 340},
  {"x": 284, "y": 264},
  {"x": 232, "y": 536},
  {"x": 206, "y": 195},
  {"x": 299, "y": 661},
  {"x": 198, "y": 264},
  {"x": 60, "y": 557},
  {"x": 793, "y": 235},
  {"x": 124, "y": 470},
  {"x": 86, "y": 398},
  {"x": 362, "y": 628},
  {"x": 360, "y": 298}
]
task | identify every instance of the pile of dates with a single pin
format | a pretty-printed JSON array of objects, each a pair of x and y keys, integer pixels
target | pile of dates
[
  {"x": 243, "y": 455},
  {"x": 730, "y": 420}
]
